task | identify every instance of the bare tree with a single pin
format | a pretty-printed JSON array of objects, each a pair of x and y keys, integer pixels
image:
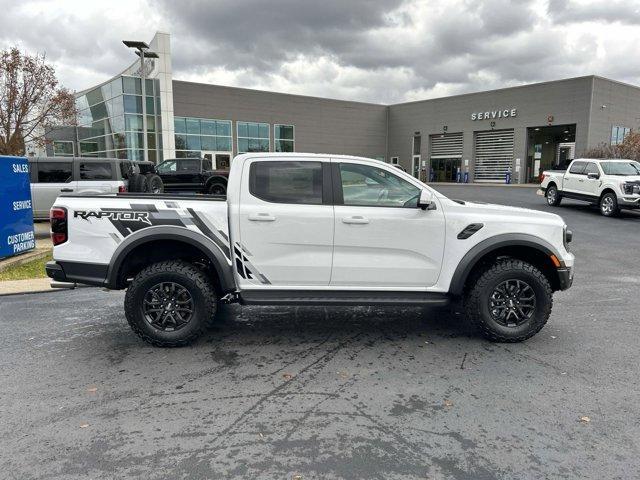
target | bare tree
[
  {"x": 629, "y": 148},
  {"x": 31, "y": 101}
]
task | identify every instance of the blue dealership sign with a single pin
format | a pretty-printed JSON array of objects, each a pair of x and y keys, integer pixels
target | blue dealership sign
[{"x": 16, "y": 213}]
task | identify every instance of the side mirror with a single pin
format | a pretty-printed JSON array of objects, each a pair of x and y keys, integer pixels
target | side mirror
[
  {"x": 593, "y": 176},
  {"x": 425, "y": 201}
]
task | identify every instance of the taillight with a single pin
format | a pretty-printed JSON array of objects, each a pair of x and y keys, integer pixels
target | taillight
[
  {"x": 58, "y": 221},
  {"x": 122, "y": 189}
]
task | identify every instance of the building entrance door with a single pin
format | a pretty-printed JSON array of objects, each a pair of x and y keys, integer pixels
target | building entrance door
[
  {"x": 415, "y": 166},
  {"x": 445, "y": 169}
]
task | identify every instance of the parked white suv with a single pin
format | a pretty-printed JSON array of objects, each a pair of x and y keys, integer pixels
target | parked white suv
[
  {"x": 53, "y": 176},
  {"x": 610, "y": 184},
  {"x": 309, "y": 229}
]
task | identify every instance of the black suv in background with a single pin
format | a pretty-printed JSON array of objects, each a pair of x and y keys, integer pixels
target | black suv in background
[{"x": 192, "y": 175}]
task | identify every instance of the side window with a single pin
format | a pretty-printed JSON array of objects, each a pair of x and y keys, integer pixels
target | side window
[
  {"x": 206, "y": 164},
  {"x": 364, "y": 185},
  {"x": 95, "y": 171},
  {"x": 577, "y": 168},
  {"x": 54, "y": 172},
  {"x": 189, "y": 165},
  {"x": 591, "y": 168},
  {"x": 167, "y": 167},
  {"x": 286, "y": 182}
]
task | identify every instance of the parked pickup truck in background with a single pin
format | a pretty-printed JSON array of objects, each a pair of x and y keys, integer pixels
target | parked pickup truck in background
[
  {"x": 309, "y": 229},
  {"x": 610, "y": 184},
  {"x": 192, "y": 175}
]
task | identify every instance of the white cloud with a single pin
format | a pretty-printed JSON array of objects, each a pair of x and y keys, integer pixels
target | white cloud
[{"x": 370, "y": 50}]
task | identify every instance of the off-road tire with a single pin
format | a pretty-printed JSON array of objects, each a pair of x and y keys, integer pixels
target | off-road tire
[
  {"x": 608, "y": 205},
  {"x": 154, "y": 183},
  {"x": 186, "y": 275},
  {"x": 481, "y": 286},
  {"x": 138, "y": 183},
  {"x": 217, "y": 188},
  {"x": 555, "y": 198}
]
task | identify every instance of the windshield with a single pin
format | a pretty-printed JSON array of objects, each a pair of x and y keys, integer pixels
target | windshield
[{"x": 620, "y": 168}]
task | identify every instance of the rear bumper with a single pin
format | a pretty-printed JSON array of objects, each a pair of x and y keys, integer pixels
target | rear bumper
[
  {"x": 565, "y": 277},
  {"x": 74, "y": 272}
]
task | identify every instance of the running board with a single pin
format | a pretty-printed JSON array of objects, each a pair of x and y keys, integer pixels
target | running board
[{"x": 343, "y": 297}]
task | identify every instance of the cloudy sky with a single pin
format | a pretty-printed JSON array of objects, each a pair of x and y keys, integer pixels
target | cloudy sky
[{"x": 381, "y": 51}]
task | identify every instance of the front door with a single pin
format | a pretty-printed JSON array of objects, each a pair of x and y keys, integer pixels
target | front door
[
  {"x": 591, "y": 186},
  {"x": 415, "y": 166},
  {"x": 381, "y": 238},
  {"x": 286, "y": 224}
]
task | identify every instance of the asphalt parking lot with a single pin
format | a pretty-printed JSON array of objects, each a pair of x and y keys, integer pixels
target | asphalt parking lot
[{"x": 399, "y": 393}]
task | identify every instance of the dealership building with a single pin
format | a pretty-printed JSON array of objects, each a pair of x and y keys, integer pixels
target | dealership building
[{"x": 479, "y": 136}]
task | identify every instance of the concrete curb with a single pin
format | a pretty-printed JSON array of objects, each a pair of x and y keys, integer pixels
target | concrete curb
[
  {"x": 24, "y": 258},
  {"x": 31, "y": 285}
]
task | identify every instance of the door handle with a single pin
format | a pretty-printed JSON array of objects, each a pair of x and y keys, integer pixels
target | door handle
[
  {"x": 580, "y": 180},
  {"x": 262, "y": 217},
  {"x": 357, "y": 220},
  {"x": 66, "y": 190}
]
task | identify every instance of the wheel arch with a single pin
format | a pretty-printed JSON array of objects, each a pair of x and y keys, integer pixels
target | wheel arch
[
  {"x": 607, "y": 189},
  {"x": 522, "y": 246},
  {"x": 167, "y": 242}
]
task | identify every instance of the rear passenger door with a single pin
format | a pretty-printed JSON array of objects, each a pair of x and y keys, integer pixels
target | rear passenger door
[
  {"x": 50, "y": 180},
  {"x": 286, "y": 224},
  {"x": 574, "y": 177}
]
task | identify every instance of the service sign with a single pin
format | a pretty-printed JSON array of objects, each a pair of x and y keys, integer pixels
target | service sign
[{"x": 16, "y": 214}]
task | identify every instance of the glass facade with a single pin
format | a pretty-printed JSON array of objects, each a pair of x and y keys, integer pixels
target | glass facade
[
  {"x": 253, "y": 137},
  {"x": 194, "y": 135},
  {"x": 62, "y": 148},
  {"x": 110, "y": 120},
  {"x": 284, "y": 136}
]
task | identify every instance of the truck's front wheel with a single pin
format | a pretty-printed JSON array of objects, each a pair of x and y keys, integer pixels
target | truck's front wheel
[
  {"x": 170, "y": 304},
  {"x": 510, "y": 301}
]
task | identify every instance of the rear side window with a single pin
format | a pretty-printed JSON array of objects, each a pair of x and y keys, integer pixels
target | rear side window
[
  {"x": 54, "y": 172},
  {"x": 287, "y": 182},
  {"x": 577, "y": 167},
  {"x": 95, "y": 171},
  {"x": 189, "y": 165}
]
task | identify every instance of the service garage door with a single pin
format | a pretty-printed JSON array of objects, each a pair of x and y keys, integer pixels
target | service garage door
[
  {"x": 493, "y": 155},
  {"x": 445, "y": 154}
]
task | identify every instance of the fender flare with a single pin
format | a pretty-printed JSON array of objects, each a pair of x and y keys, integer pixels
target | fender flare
[
  {"x": 215, "y": 255},
  {"x": 473, "y": 256}
]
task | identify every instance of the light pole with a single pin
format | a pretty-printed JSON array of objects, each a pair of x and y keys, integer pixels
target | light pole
[{"x": 142, "y": 50}]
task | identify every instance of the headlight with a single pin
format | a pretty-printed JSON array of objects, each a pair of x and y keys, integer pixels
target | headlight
[{"x": 630, "y": 188}]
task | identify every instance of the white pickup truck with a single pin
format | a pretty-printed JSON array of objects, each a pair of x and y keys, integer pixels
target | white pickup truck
[
  {"x": 309, "y": 229},
  {"x": 610, "y": 184}
]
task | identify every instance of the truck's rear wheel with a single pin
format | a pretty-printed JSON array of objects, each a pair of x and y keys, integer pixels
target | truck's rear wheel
[
  {"x": 510, "y": 301},
  {"x": 170, "y": 304},
  {"x": 217, "y": 188},
  {"x": 553, "y": 196}
]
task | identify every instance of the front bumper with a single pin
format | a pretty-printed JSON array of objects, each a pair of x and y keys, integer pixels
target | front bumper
[
  {"x": 629, "y": 202},
  {"x": 565, "y": 277}
]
